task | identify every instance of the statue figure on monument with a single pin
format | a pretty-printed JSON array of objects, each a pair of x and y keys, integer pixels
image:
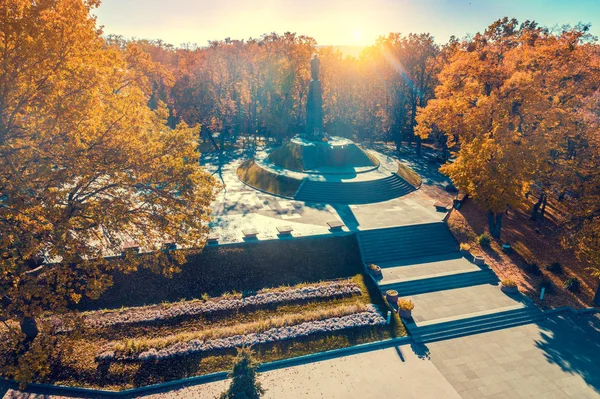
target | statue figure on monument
[
  {"x": 315, "y": 64},
  {"x": 314, "y": 104}
]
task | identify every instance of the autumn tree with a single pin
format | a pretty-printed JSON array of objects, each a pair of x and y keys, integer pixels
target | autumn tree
[
  {"x": 509, "y": 97},
  {"x": 85, "y": 164}
]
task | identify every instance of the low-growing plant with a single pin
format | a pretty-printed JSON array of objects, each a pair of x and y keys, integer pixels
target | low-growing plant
[
  {"x": 484, "y": 240},
  {"x": 369, "y": 317},
  {"x": 508, "y": 283},
  {"x": 130, "y": 346},
  {"x": 373, "y": 267},
  {"x": 555, "y": 267},
  {"x": 532, "y": 268},
  {"x": 405, "y": 304},
  {"x": 572, "y": 284},
  {"x": 465, "y": 246}
]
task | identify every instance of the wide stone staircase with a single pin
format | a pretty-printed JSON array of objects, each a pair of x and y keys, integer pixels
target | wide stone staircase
[
  {"x": 362, "y": 192},
  {"x": 453, "y": 297},
  {"x": 406, "y": 242},
  {"x": 476, "y": 324}
]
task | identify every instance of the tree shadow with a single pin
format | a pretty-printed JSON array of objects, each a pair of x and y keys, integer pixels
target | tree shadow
[
  {"x": 420, "y": 350},
  {"x": 573, "y": 344}
]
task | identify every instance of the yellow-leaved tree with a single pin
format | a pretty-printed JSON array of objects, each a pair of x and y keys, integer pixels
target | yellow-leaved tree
[
  {"x": 509, "y": 98},
  {"x": 85, "y": 165}
]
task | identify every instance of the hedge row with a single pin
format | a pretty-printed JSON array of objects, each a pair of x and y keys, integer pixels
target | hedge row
[
  {"x": 371, "y": 317},
  {"x": 157, "y": 314}
]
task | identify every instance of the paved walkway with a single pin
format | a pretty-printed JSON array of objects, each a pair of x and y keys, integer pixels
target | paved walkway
[{"x": 555, "y": 358}]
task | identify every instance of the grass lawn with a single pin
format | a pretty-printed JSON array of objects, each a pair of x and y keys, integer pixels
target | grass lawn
[
  {"x": 529, "y": 247},
  {"x": 289, "y": 156},
  {"x": 409, "y": 175},
  {"x": 255, "y": 176}
]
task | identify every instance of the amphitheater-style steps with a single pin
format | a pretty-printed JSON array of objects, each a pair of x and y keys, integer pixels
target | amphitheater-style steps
[
  {"x": 310, "y": 158},
  {"x": 447, "y": 282},
  {"x": 406, "y": 242},
  {"x": 363, "y": 192},
  {"x": 475, "y": 325}
]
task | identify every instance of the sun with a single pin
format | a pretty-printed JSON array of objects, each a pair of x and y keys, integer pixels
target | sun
[{"x": 358, "y": 36}]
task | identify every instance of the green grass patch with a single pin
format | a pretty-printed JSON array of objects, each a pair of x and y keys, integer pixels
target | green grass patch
[
  {"x": 239, "y": 267},
  {"x": 409, "y": 175},
  {"x": 253, "y": 175},
  {"x": 288, "y": 156}
]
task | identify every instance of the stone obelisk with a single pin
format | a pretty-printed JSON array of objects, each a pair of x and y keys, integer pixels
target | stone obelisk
[{"x": 314, "y": 104}]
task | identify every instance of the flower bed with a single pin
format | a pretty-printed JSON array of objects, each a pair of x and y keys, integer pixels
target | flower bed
[
  {"x": 370, "y": 317},
  {"x": 154, "y": 314}
]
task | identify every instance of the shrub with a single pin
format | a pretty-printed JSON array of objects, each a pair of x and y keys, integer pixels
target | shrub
[
  {"x": 484, "y": 240},
  {"x": 547, "y": 284},
  {"x": 571, "y": 284},
  {"x": 374, "y": 268},
  {"x": 405, "y": 304},
  {"x": 508, "y": 283},
  {"x": 464, "y": 246},
  {"x": 533, "y": 268},
  {"x": 555, "y": 268}
]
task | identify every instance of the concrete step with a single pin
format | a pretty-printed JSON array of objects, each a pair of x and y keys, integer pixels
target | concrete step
[
  {"x": 362, "y": 192},
  {"x": 476, "y": 325},
  {"x": 448, "y": 282},
  {"x": 405, "y": 242}
]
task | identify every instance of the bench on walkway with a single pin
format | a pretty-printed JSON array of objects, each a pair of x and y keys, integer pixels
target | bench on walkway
[
  {"x": 250, "y": 233},
  {"x": 442, "y": 206},
  {"x": 285, "y": 230},
  {"x": 335, "y": 225},
  {"x": 212, "y": 239}
]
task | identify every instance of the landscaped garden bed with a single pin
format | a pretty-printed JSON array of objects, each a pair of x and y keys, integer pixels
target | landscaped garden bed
[
  {"x": 226, "y": 304},
  {"x": 138, "y": 351}
]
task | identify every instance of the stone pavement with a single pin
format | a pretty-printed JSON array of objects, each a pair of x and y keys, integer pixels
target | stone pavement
[
  {"x": 390, "y": 373},
  {"x": 557, "y": 358},
  {"x": 240, "y": 207},
  {"x": 462, "y": 302}
]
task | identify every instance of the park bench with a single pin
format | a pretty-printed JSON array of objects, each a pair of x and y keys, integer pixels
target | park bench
[
  {"x": 212, "y": 239},
  {"x": 442, "y": 206},
  {"x": 250, "y": 233},
  {"x": 335, "y": 225},
  {"x": 285, "y": 230}
]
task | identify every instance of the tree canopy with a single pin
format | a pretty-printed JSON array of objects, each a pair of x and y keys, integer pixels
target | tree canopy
[{"x": 85, "y": 164}]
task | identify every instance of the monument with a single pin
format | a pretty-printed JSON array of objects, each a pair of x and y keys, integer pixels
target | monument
[{"x": 314, "y": 104}]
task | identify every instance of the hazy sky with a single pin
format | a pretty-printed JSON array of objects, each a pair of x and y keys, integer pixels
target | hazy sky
[{"x": 331, "y": 22}]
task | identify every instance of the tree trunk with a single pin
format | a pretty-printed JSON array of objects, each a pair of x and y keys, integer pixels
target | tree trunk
[
  {"x": 536, "y": 207},
  {"x": 418, "y": 146},
  {"x": 543, "y": 209},
  {"x": 495, "y": 223},
  {"x": 30, "y": 329}
]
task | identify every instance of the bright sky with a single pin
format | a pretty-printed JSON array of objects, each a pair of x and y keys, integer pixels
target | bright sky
[{"x": 331, "y": 22}]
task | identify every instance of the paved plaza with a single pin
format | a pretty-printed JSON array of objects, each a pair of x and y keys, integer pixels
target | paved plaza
[{"x": 239, "y": 207}]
